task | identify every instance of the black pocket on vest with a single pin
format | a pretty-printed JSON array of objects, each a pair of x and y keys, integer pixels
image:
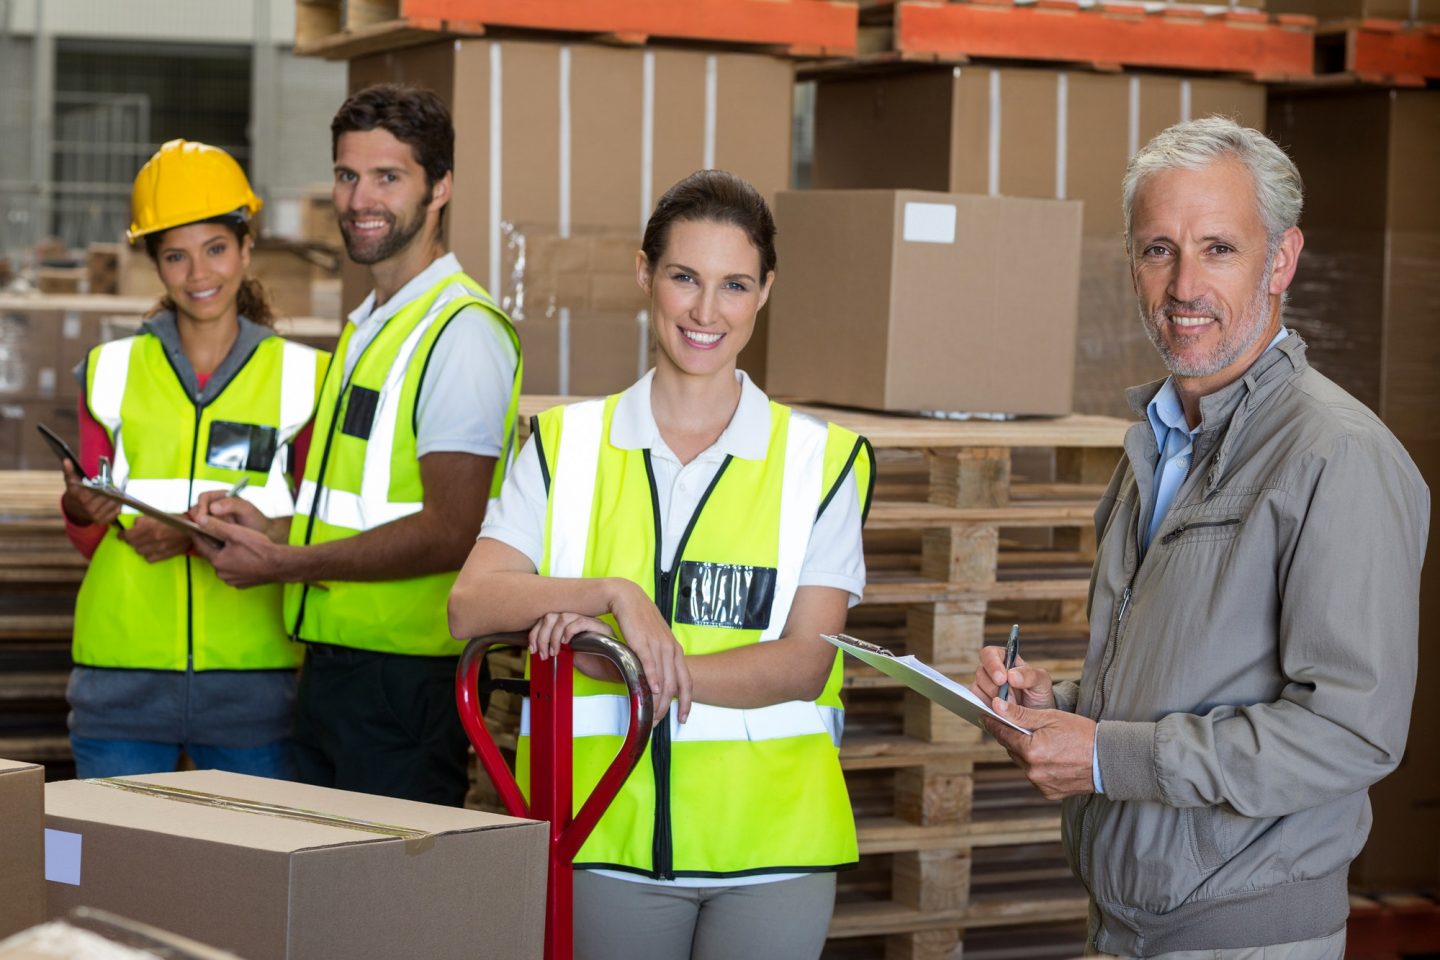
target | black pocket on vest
[
  {"x": 360, "y": 412},
  {"x": 725, "y": 595},
  {"x": 241, "y": 446}
]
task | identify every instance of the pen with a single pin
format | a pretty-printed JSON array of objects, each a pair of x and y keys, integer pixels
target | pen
[
  {"x": 240, "y": 484},
  {"x": 1012, "y": 650}
]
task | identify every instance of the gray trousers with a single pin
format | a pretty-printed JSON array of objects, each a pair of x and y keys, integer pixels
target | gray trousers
[
  {"x": 624, "y": 920},
  {"x": 1326, "y": 948}
]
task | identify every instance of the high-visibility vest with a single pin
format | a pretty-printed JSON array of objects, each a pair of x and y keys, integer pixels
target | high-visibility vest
[
  {"x": 169, "y": 449},
  {"x": 363, "y": 472},
  {"x": 732, "y": 792}
]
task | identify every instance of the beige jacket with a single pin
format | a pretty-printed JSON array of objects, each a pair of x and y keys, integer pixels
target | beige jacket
[{"x": 1252, "y": 673}]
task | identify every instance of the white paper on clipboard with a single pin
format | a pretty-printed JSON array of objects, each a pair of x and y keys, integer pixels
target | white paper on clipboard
[
  {"x": 184, "y": 524},
  {"x": 924, "y": 680}
]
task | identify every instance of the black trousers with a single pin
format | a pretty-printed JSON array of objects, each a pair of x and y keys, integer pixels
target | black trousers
[{"x": 381, "y": 723}]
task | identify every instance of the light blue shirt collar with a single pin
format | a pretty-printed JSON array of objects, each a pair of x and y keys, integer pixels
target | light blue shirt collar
[{"x": 1165, "y": 411}]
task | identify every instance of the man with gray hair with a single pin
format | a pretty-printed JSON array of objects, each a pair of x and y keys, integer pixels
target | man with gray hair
[{"x": 1254, "y": 603}]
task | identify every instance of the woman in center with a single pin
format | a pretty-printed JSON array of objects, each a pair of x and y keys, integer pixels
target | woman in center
[{"x": 717, "y": 533}]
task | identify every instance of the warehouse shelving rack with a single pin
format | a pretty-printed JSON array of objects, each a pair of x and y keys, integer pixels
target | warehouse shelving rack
[{"x": 340, "y": 29}]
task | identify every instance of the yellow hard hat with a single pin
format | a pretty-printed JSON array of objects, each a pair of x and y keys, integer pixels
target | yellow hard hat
[{"x": 186, "y": 182}]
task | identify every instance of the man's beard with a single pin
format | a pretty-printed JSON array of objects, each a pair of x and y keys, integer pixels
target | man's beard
[
  {"x": 1235, "y": 339},
  {"x": 396, "y": 239}
]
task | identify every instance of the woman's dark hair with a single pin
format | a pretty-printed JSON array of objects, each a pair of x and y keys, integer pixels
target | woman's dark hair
[
  {"x": 252, "y": 301},
  {"x": 713, "y": 196},
  {"x": 412, "y": 115}
]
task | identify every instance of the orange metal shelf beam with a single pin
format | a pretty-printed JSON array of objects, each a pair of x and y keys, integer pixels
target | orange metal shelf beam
[
  {"x": 822, "y": 26},
  {"x": 1385, "y": 48},
  {"x": 1109, "y": 35}
]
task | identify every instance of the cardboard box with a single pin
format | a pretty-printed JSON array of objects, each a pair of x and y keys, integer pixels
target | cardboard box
[
  {"x": 588, "y": 137},
  {"x": 12, "y": 434},
  {"x": 96, "y": 935},
  {"x": 441, "y": 882},
  {"x": 135, "y": 274},
  {"x": 102, "y": 268},
  {"x": 43, "y": 339},
  {"x": 29, "y": 352},
  {"x": 1366, "y": 298},
  {"x": 22, "y": 856},
  {"x": 1027, "y": 132},
  {"x": 906, "y": 300},
  {"x": 62, "y": 279}
]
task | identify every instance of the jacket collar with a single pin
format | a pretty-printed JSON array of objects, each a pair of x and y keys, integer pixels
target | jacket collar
[{"x": 1223, "y": 412}]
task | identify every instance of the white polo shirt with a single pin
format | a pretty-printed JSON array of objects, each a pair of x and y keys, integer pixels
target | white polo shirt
[
  {"x": 835, "y": 557},
  {"x": 466, "y": 390}
]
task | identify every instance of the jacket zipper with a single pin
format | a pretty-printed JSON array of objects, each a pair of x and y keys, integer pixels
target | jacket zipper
[
  {"x": 1180, "y": 531},
  {"x": 1087, "y": 808}
]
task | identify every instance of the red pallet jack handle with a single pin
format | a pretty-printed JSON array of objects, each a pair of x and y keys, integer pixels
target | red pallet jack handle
[{"x": 551, "y": 769}]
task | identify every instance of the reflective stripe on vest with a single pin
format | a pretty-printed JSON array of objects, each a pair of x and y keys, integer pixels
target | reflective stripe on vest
[
  {"x": 732, "y": 792},
  {"x": 367, "y": 474},
  {"x": 574, "y": 500},
  {"x": 609, "y": 716},
  {"x": 177, "y": 614},
  {"x": 178, "y": 494}
]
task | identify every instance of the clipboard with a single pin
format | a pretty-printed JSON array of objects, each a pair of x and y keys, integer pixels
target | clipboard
[
  {"x": 169, "y": 519},
  {"x": 923, "y": 679}
]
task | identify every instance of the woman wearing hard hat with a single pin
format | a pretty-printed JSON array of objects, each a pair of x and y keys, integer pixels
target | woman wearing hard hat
[{"x": 205, "y": 397}]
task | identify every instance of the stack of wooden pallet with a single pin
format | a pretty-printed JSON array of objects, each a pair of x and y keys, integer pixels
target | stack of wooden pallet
[
  {"x": 975, "y": 526},
  {"x": 39, "y": 575}
]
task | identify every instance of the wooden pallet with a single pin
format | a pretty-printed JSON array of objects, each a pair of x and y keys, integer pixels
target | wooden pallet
[
  {"x": 803, "y": 28},
  {"x": 1108, "y": 36},
  {"x": 1393, "y": 926},
  {"x": 1377, "y": 52},
  {"x": 39, "y": 575}
]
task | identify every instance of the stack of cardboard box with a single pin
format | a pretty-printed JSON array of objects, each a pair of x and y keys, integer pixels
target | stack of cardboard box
[
  {"x": 561, "y": 151},
  {"x": 1366, "y": 298},
  {"x": 42, "y": 340},
  {"x": 1025, "y": 132}
]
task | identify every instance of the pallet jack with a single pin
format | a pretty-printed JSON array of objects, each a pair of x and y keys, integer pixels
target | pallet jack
[{"x": 551, "y": 771}]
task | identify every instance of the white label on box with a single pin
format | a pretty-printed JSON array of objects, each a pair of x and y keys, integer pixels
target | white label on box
[
  {"x": 45, "y": 382},
  {"x": 62, "y": 857},
  {"x": 930, "y": 222},
  {"x": 71, "y": 326}
]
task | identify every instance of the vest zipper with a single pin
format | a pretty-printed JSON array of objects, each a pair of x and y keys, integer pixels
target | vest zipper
[
  {"x": 325, "y": 459},
  {"x": 662, "y": 849},
  {"x": 1180, "y": 531},
  {"x": 189, "y": 580},
  {"x": 662, "y": 852}
]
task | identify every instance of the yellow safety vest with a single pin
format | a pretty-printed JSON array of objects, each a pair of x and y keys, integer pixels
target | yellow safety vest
[
  {"x": 168, "y": 451},
  {"x": 731, "y": 792},
  {"x": 366, "y": 474}
]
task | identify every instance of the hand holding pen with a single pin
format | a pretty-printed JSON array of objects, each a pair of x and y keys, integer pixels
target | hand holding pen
[
  {"x": 1012, "y": 650},
  {"x": 1003, "y": 672}
]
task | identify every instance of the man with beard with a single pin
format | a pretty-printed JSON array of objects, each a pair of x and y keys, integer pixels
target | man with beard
[
  {"x": 414, "y": 429},
  {"x": 1254, "y": 602}
]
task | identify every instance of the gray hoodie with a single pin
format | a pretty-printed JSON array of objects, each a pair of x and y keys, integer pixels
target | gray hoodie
[{"x": 1252, "y": 672}]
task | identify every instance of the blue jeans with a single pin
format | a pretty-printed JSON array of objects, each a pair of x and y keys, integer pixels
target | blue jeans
[{"x": 121, "y": 758}]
